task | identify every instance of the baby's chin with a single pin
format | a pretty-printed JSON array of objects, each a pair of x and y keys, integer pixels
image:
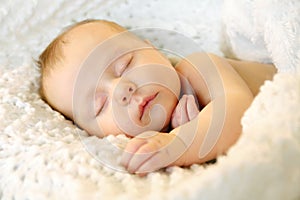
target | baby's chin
[
  {"x": 157, "y": 119},
  {"x": 165, "y": 128}
]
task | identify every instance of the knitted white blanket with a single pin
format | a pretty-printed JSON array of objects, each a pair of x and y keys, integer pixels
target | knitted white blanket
[{"x": 44, "y": 156}]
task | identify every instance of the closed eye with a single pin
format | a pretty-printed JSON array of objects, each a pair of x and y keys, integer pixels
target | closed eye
[
  {"x": 122, "y": 64},
  {"x": 100, "y": 101}
]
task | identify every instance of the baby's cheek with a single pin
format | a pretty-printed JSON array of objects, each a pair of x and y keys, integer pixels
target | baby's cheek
[{"x": 107, "y": 126}]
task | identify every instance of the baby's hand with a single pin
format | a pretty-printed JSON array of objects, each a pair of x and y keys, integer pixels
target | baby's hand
[
  {"x": 185, "y": 111},
  {"x": 151, "y": 151}
]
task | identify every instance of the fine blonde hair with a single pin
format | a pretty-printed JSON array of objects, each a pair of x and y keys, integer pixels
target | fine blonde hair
[{"x": 53, "y": 53}]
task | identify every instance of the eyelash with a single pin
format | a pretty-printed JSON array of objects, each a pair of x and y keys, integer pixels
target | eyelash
[
  {"x": 100, "y": 101},
  {"x": 119, "y": 69},
  {"x": 122, "y": 65}
]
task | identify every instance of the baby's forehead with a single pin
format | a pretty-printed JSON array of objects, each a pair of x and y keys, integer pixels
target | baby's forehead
[
  {"x": 106, "y": 38},
  {"x": 87, "y": 37},
  {"x": 95, "y": 28}
]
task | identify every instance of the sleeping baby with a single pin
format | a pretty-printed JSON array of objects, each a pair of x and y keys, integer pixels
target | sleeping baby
[{"x": 108, "y": 81}]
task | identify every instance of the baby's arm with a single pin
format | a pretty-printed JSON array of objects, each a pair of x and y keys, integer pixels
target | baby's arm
[
  {"x": 208, "y": 135},
  {"x": 225, "y": 97},
  {"x": 185, "y": 111}
]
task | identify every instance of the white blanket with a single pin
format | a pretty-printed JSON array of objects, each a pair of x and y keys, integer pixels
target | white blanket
[{"x": 43, "y": 156}]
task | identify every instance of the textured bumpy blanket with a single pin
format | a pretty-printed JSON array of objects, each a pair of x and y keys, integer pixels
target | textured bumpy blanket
[{"x": 44, "y": 156}]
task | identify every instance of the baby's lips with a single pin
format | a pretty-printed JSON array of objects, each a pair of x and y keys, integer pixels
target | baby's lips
[{"x": 146, "y": 102}]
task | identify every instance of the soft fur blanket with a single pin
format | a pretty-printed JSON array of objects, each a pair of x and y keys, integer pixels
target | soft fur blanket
[{"x": 44, "y": 156}]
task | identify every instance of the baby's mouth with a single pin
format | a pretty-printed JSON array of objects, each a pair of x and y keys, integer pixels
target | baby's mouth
[{"x": 146, "y": 104}]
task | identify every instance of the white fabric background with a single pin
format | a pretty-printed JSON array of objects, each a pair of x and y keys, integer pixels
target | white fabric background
[{"x": 42, "y": 155}]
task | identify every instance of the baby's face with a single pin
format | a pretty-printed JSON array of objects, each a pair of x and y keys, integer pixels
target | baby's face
[{"x": 111, "y": 82}]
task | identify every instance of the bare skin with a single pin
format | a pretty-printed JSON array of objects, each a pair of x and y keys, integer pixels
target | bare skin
[
  {"x": 223, "y": 88},
  {"x": 187, "y": 108},
  {"x": 248, "y": 70},
  {"x": 241, "y": 81}
]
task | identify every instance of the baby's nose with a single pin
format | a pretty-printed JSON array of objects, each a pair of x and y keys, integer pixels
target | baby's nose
[{"x": 124, "y": 92}]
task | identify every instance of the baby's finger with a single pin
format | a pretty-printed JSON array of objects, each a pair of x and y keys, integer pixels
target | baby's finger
[
  {"x": 192, "y": 108},
  {"x": 132, "y": 147},
  {"x": 167, "y": 155},
  {"x": 154, "y": 163},
  {"x": 175, "y": 116},
  {"x": 141, "y": 156},
  {"x": 183, "y": 117}
]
